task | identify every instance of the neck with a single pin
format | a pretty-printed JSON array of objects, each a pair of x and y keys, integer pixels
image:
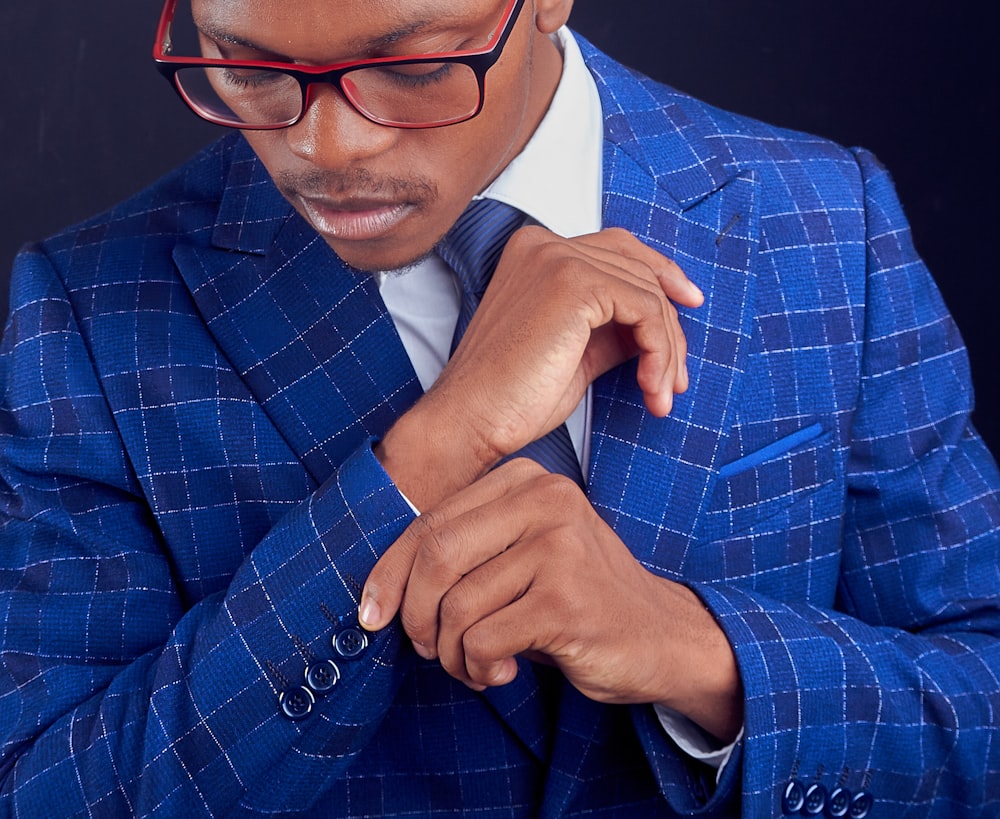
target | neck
[{"x": 546, "y": 71}]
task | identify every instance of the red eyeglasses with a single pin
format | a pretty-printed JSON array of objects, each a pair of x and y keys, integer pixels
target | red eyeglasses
[{"x": 413, "y": 91}]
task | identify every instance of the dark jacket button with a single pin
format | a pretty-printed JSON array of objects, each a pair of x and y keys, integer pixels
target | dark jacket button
[
  {"x": 322, "y": 676},
  {"x": 296, "y": 703},
  {"x": 794, "y": 798},
  {"x": 861, "y": 805},
  {"x": 350, "y": 643},
  {"x": 839, "y": 803},
  {"x": 815, "y": 800}
]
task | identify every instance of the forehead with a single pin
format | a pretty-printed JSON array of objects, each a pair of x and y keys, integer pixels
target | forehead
[{"x": 314, "y": 28}]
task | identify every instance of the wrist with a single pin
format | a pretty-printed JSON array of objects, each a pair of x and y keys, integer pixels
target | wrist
[
  {"x": 429, "y": 455},
  {"x": 708, "y": 690}
]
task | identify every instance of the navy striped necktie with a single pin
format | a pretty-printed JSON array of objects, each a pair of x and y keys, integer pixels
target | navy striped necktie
[{"x": 472, "y": 248}]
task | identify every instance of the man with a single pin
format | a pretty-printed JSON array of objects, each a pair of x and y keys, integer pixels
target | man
[{"x": 773, "y": 589}]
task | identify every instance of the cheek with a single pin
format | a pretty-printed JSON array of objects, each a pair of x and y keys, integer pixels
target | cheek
[
  {"x": 502, "y": 128},
  {"x": 270, "y": 148}
]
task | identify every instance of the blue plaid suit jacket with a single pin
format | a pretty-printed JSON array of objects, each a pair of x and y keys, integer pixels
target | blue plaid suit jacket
[{"x": 190, "y": 506}]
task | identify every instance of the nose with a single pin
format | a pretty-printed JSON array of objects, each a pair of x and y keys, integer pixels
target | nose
[{"x": 333, "y": 135}]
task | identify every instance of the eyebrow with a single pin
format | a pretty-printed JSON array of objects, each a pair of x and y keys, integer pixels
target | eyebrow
[{"x": 374, "y": 44}]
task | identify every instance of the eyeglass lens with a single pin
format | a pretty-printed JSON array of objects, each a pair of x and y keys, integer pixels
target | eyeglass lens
[
  {"x": 406, "y": 94},
  {"x": 403, "y": 94}
]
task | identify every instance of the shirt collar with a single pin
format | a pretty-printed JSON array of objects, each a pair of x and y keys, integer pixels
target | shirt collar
[{"x": 557, "y": 178}]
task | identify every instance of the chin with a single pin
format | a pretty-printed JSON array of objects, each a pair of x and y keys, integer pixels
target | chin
[{"x": 372, "y": 261}]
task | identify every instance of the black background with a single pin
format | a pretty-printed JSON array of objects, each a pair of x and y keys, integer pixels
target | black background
[{"x": 85, "y": 120}]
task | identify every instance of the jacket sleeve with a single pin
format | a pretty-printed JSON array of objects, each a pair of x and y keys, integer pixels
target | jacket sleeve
[
  {"x": 894, "y": 691},
  {"x": 117, "y": 696}
]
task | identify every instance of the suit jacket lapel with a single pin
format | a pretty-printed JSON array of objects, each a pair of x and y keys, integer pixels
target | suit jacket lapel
[
  {"x": 310, "y": 337},
  {"x": 666, "y": 182},
  {"x": 650, "y": 477}
]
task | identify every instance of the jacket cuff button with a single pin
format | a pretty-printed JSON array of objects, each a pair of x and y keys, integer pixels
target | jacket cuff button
[
  {"x": 350, "y": 643},
  {"x": 815, "y": 800},
  {"x": 296, "y": 703},
  {"x": 839, "y": 803},
  {"x": 861, "y": 805},
  {"x": 793, "y": 798},
  {"x": 322, "y": 676}
]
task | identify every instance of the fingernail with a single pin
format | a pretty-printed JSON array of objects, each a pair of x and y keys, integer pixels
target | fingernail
[
  {"x": 423, "y": 651},
  {"x": 370, "y": 614}
]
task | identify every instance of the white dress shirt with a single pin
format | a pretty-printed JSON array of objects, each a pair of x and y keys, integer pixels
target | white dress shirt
[{"x": 556, "y": 181}]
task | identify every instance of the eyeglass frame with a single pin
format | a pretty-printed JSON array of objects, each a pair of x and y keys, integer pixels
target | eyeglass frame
[{"x": 479, "y": 60}]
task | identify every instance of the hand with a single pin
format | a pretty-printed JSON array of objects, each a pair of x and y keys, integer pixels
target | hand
[
  {"x": 520, "y": 563},
  {"x": 557, "y": 314}
]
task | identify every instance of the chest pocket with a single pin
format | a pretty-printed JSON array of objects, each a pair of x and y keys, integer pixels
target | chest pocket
[{"x": 768, "y": 482}]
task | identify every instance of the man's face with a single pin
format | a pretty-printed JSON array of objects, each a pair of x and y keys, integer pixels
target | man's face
[{"x": 382, "y": 197}]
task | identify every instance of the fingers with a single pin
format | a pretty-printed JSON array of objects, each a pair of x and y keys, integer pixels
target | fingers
[
  {"x": 452, "y": 551},
  {"x": 656, "y": 333},
  {"x": 447, "y": 553},
  {"x": 436, "y": 534},
  {"x": 557, "y": 314},
  {"x": 662, "y": 378},
  {"x": 675, "y": 285},
  {"x": 486, "y": 622},
  {"x": 633, "y": 317}
]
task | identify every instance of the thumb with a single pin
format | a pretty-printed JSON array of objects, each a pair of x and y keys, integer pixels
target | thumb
[
  {"x": 384, "y": 588},
  {"x": 383, "y": 592}
]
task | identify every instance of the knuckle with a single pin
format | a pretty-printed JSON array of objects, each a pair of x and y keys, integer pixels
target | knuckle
[
  {"x": 436, "y": 549},
  {"x": 653, "y": 301},
  {"x": 437, "y": 544},
  {"x": 563, "y": 271},
  {"x": 529, "y": 235},
  {"x": 476, "y": 645},
  {"x": 556, "y": 488},
  {"x": 619, "y": 236},
  {"x": 563, "y": 543},
  {"x": 523, "y": 469},
  {"x": 415, "y": 626},
  {"x": 564, "y": 605},
  {"x": 420, "y": 529},
  {"x": 532, "y": 239},
  {"x": 425, "y": 522},
  {"x": 455, "y": 607}
]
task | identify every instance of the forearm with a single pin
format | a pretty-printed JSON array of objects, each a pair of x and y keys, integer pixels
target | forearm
[
  {"x": 128, "y": 685},
  {"x": 170, "y": 724},
  {"x": 833, "y": 700},
  {"x": 276, "y": 621}
]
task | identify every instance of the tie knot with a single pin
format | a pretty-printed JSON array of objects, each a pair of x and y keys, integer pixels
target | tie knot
[{"x": 473, "y": 246}]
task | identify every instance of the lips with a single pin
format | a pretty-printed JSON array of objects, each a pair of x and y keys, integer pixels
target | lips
[{"x": 355, "y": 219}]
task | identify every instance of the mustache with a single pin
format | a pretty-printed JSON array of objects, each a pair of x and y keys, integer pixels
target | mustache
[{"x": 357, "y": 182}]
